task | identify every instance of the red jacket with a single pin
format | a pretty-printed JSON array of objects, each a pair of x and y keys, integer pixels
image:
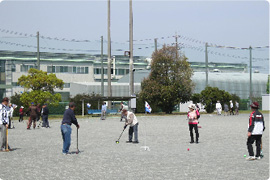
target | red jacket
[{"x": 21, "y": 111}]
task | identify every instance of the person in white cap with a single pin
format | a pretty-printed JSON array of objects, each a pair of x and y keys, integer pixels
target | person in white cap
[
  {"x": 132, "y": 121},
  {"x": 21, "y": 114},
  {"x": 231, "y": 108},
  {"x": 193, "y": 123}
]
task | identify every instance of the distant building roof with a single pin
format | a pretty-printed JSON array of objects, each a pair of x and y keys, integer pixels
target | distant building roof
[{"x": 234, "y": 83}]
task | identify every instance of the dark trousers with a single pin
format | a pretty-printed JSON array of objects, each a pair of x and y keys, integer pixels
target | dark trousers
[
  {"x": 133, "y": 129},
  {"x": 66, "y": 135},
  {"x": 45, "y": 121},
  {"x": 250, "y": 141},
  {"x": 9, "y": 125},
  {"x": 21, "y": 118},
  {"x": 195, "y": 126},
  {"x": 31, "y": 119},
  {"x": 231, "y": 111}
]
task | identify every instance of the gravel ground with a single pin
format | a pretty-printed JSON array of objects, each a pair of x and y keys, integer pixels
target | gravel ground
[{"x": 219, "y": 155}]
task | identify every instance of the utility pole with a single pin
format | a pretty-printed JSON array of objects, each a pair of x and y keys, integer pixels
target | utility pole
[
  {"x": 155, "y": 44},
  {"x": 250, "y": 74},
  {"x": 206, "y": 64},
  {"x": 38, "y": 56},
  {"x": 102, "y": 69},
  {"x": 109, "y": 55},
  {"x": 131, "y": 75},
  {"x": 176, "y": 44}
]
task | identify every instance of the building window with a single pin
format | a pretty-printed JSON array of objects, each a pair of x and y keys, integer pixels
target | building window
[
  {"x": 97, "y": 71},
  {"x": 14, "y": 84},
  {"x": 25, "y": 68},
  {"x": 2, "y": 66},
  {"x": 120, "y": 71},
  {"x": 66, "y": 85},
  {"x": 68, "y": 69},
  {"x": 13, "y": 68}
]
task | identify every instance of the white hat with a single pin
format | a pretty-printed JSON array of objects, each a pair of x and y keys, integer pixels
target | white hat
[
  {"x": 125, "y": 108},
  {"x": 192, "y": 106},
  {"x": 22, "y": 107}
]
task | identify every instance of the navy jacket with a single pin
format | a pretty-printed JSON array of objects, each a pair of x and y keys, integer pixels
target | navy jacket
[
  {"x": 45, "y": 111},
  {"x": 69, "y": 117}
]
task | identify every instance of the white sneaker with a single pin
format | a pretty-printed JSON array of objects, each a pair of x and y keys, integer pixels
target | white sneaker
[
  {"x": 250, "y": 158},
  {"x": 258, "y": 158}
]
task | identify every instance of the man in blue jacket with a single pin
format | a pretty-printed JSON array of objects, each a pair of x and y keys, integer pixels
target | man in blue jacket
[
  {"x": 255, "y": 131},
  {"x": 68, "y": 119}
]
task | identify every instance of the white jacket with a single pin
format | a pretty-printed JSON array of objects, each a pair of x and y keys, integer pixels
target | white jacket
[
  {"x": 218, "y": 106},
  {"x": 4, "y": 114},
  {"x": 131, "y": 119}
]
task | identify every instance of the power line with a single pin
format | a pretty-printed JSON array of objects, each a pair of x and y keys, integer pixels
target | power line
[{"x": 187, "y": 38}]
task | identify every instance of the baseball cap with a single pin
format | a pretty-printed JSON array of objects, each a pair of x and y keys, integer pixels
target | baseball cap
[{"x": 255, "y": 105}]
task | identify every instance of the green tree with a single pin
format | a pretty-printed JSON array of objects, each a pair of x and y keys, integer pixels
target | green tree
[
  {"x": 41, "y": 86},
  {"x": 196, "y": 98},
  {"x": 210, "y": 95},
  {"x": 234, "y": 98},
  {"x": 16, "y": 100},
  {"x": 169, "y": 82}
]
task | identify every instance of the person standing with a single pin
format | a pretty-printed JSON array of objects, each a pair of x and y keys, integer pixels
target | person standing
[
  {"x": 226, "y": 109},
  {"x": 231, "y": 108},
  {"x": 32, "y": 110},
  {"x": 236, "y": 108},
  {"x": 255, "y": 130},
  {"x": 131, "y": 120},
  {"x": 120, "y": 110},
  {"x": 11, "y": 111},
  {"x": 193, "y": 123},
  {"x": 68, "y": 119},
  {"x": 39, "y": 111},
  {"x": 4, "y": 121},
  {"x": 103, "y": 111},
  {"x": 21, "y": 114},
  {"x": 218, "y": 108},
  {"x": 45, "y": 114}
]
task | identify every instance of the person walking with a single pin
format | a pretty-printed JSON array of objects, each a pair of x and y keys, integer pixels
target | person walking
[
  {"x": 68, "y": 119},
  {"x": 33, "y": 114},
  {"x": 218, "y": 108},
  {"x": 236, "y": 108},
  {"x": 44, "y": 115},
  {"x": 39, "y": 111},
  {"x": 255, "y": 130},
  {"x": 21, "y": 114},
  {"x": 120, "y": 110},
  {"x": 193, "y": 123},
  {"x": 103, "y": 111},
  {"x": 4, "y": 121},
  {"x": 132, "y": 122},
  {"x": 226, "y": 109},
  {"x": 231, "y": 107}
]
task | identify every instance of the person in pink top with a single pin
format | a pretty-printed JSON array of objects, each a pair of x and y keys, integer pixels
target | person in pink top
[{"x": 193, "y": 123}]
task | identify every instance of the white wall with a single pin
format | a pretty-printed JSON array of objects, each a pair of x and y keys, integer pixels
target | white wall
[{"x": 265, "y": 102}]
